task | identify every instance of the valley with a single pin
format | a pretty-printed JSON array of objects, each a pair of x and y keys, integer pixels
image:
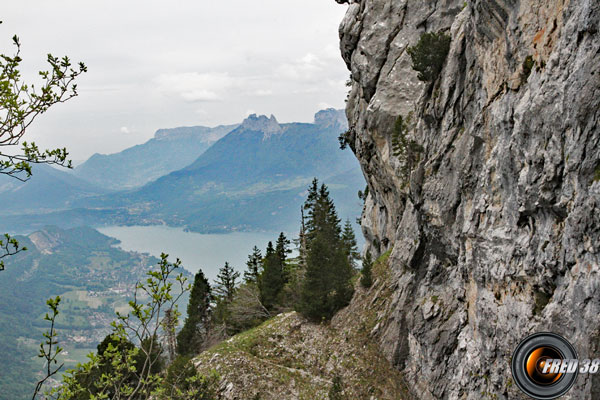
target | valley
[{"x": 204, "y": 195}]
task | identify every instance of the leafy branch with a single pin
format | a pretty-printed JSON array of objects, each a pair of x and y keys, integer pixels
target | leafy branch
[
  {"x": 125, "y": 371},
  {"x": 49, "y": 349},
  {"x": 21, "y": 104},
  {"x": 9, "y": 246}
]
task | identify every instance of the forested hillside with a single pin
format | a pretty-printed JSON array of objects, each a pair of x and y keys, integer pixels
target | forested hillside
[{"x": 94, "y": 279}]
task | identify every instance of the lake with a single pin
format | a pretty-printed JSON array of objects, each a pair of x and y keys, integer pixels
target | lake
[{"x": 195, "y": 250}]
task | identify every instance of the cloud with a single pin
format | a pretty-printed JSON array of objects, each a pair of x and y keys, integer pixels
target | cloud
[
  {"x": 305, "y": 69},
  {"x": 262, "y": 93},
  {"x": 198, "y": 62},
  {"x": 125, "y": 130},
  {"x": 196, "y": 87}
]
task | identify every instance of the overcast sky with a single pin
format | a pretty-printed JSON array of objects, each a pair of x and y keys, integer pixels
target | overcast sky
[{"x": 158, "y": 64}]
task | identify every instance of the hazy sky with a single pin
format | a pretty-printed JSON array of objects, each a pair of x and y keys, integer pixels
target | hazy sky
[{"x": 159, "y": 64}]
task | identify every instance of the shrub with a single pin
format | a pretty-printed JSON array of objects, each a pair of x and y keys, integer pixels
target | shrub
[
  {"x": 429, "y": 54},
  {"x": 528, "y": 65},
  {"x": 336, "y": 391},
  {"x": 184, "y": 382},
  {"x": 407, "y": 150}
]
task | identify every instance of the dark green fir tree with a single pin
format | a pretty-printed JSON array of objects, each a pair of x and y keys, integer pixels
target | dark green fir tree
[
  {"x": 195, "y": 328},
  {"x": 272, "y": 278},
  {"x": 326, "y": 287},
  {"x": 226, "y": 283},
  {"x": 253, "y": 266},
  {"x": 366, "y": 279},
  {"x": 350, "y": 244},
  {"x": 282, "y": 248}
]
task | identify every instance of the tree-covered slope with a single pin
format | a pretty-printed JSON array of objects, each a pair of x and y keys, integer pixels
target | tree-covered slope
[
  {"x": 253, "y": 178},
  {"x": 94, "y": 279}
]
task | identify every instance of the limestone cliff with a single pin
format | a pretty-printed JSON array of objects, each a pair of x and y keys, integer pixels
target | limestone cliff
[{"x": 496, "y": 233}]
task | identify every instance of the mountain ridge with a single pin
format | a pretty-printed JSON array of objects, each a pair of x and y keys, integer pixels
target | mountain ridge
[
  {"x": 248, "y": 180},
  {"x": 167, "y": 151}
]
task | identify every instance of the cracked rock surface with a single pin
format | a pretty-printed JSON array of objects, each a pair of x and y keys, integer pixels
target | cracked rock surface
[{"x": 496, "y": 234}]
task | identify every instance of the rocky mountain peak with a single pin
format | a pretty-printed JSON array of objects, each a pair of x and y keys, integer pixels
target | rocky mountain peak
[
  {"x": 332, "y": 118},
  {"x": 262, "y": 123}
]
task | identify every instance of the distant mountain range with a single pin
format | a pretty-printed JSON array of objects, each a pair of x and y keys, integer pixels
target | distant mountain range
[
  {"x": 48, "y": 189},
  {"x": 253, "y": 178},
  {"x": 168, "y": 151}
]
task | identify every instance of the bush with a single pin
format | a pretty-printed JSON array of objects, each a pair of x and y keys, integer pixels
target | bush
[
  {"x": 183, "y": 382},
  {"x": 407, "y": 150},
  {"x": 429, "y": 54},
  {"x": 336, "y": 391},
  {"x": 528, "y": 65}
]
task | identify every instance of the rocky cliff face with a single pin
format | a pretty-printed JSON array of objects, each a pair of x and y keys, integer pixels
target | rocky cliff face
[{"x": 496, "y": 234}]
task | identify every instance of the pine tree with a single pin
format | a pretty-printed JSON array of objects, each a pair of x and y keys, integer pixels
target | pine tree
[
  {"x": 282, "y": 248},
  {"x": 254, "y": 265},
  {"x": 225, "y": 283},
  {"x": 366, "y": 279},
  {"x": 302, "y": 246},
  {"x": 272, "y": 279},
  {"x": 195, "y": 328},
  {"x": 310, "y": 206},
  {"x": 326, "y": 287},
  {"x": 350, "y": 244}
]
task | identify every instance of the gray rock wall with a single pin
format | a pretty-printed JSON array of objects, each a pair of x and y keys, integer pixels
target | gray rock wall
[{"x": 496, "y": 234}]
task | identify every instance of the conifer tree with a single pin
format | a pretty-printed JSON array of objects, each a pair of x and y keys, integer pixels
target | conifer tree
[
  {"x": 310, "y": 205},
  {"x": 282, "y": 248},
  {"x": 326, "y": 287},
  {"x": 254, "y": 264},
  {"x": 366, "y": 279},
  {"x": 350, "y": 244},
  {"x": 272, "y": 279},
  {"x": 302, "y": 246},
  {"x": 195, "y": 328},
  {"x": 225, "y": 283}
]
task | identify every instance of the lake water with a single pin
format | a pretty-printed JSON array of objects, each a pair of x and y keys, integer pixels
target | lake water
[{"x": 195, "y": 250}]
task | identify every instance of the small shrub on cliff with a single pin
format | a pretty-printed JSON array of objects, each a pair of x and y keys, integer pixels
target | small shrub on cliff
[
  {"x": 407, "y": 150},
  {"x": 528, "y": 65},
  {"x": 429, "y": 54}
]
